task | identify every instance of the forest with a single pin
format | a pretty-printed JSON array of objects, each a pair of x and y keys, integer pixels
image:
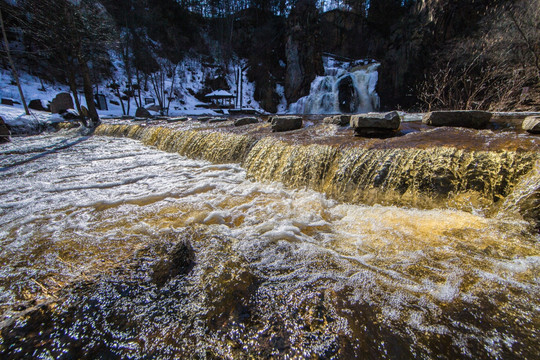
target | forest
[{"x": 434, "y": 54}]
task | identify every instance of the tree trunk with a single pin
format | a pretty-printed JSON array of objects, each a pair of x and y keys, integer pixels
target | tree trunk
[
  {"x": 89, "y": 93},
  {"x": 13, "y": 70},
  {"x": 73, "y": 88}
]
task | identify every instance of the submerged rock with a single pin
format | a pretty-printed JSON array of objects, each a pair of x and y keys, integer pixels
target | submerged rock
[
  {"x": 375, "y": 124},
  {"x": 142, "y": 113},
  {"x": 286, "y": 123},
  {"x": 341, "y": 120},
  {"x": 179, "y": 261},
  {"x": 461, "y": 118},
  {"x": 531, "y": 124},
  {"x": 245, "y": 121}
]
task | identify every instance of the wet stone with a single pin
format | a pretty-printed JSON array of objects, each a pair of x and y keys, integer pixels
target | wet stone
[
  {"x": 245, "y": 121},
  {"x": 286, "y": 123},
  {"x": 461, "y": 118},
  {"x": 532, "y": 124},
  {"x": 376, "y": 124},
  {"x": 341, "y": 120}
]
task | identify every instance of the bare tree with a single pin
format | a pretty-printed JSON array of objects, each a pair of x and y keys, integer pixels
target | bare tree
[{"x": 11, "y": 64}]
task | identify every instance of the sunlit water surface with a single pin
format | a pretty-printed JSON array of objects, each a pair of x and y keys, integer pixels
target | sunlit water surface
[{"x": 277, "y": 272}]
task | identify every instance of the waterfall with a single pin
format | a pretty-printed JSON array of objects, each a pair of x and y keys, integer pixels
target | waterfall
[
  {"x": 438, "y": 177},
  {"x": 345, "y": 88}
]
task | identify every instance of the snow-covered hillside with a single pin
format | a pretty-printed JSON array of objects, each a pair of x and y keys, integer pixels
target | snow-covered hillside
[{"x": 190, "y": 78}]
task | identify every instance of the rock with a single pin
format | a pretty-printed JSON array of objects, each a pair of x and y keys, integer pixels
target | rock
[
  {"x": 180, "y": 261},
  {"x": 70, "y": 114},
  {"x": 4, "y": 132},
  {"x": 37, "y": 104},
  {"x": 302, "y": 50},
  {"x": 204, "y": 118},
  {"x": 460, "y": 118},
  {"x": 217, "y": 119},
  {"x": 341, "y": 120},
  {"x": 532, "y": 124},
  {"x": 142, "y": 113},
  {"x": 8, "y": 102},
  {"x": 61, "y": 103},
  {"x": 154, "y": 107},
  {"x": 286, "y": 123},
  {"x": 177, "y": 119},
  {"x": 245, "y": 121},
  {"x": 375, "y": 124}
]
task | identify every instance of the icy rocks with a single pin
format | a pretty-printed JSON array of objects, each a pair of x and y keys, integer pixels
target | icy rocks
[
  {"x": 375, "y": 124},
  {"x": 61, "y": 103},
  {"x": 341, "y": 120},
  {"x": 286, "y": 123},
  {"x": 532, "y": 124},
  {"x": 142, "y": 113},
  {"x": 460, "y": 118},
  {"x": 37, "y": 104},
  {"x": 4, "y": 131},
  {"x": 245, "y": 121}
]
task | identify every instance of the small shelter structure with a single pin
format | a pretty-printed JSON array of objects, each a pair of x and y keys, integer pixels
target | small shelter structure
[{"x": 221, "y": 98}]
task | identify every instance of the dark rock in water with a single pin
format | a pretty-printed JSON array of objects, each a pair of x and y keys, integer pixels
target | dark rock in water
[
  {"x": 341, "y": 120},
  {"x": 4, "y": 131},
  {"x": 142, "y": 113},
  {"x": 375, "y": 124},
  {"x": 177, "y": 119},
  {"x": 180, "y": 261},
  {"x": 37, "y": 104},
  {"x": 217, "y": 119},
  {"x": 286, "y": 123},
  {"x": 532, "y": 124},
  {"x": 61, "y": 103},
  {"x": 461, "y": 118},
  {"x": 245, "y": 121}
]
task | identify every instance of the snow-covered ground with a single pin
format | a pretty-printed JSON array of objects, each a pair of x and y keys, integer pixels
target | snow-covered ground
[{"x": 190, "y": 78}]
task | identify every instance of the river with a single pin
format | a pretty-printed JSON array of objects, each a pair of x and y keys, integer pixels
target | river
[{"x": 114, "y": 249}]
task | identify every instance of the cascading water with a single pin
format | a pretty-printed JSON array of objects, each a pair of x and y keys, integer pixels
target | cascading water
[
  {"x": 114, "y": 249},
  {"x": 347, "y": 87}
]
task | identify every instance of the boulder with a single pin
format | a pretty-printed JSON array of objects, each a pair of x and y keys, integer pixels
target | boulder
[
  {"x": 217, "y": 119},
  {"x": 375, "y": 124},
  {"x": 61, "y": 103},
  {"x": 154, "y": 107},
  {"x": 142, "y": 113},
  {"x": 70, "y": 115},
  {"x": 37, "y": 104},
  {"x": 4, "y": 131},
  {"x": 532, "y": 124},
  {"x": 8, "y": 102},
  {"x": 245, "y": 121},
  {"x": 286, "y": 123},
  {"x": 461, "y": 118},
  {"x": 341, "y": 120}
]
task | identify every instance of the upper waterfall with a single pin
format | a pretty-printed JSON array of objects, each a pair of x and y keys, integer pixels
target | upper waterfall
[{"x": 347, "y": 87}]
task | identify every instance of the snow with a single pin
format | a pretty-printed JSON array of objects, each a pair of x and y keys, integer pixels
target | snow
[
  {"x": 191, "y": 75},
  {"x": 219, "y": 93}
]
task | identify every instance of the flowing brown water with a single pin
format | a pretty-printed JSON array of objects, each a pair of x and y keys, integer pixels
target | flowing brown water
[{"x": 274, "y": 269}]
